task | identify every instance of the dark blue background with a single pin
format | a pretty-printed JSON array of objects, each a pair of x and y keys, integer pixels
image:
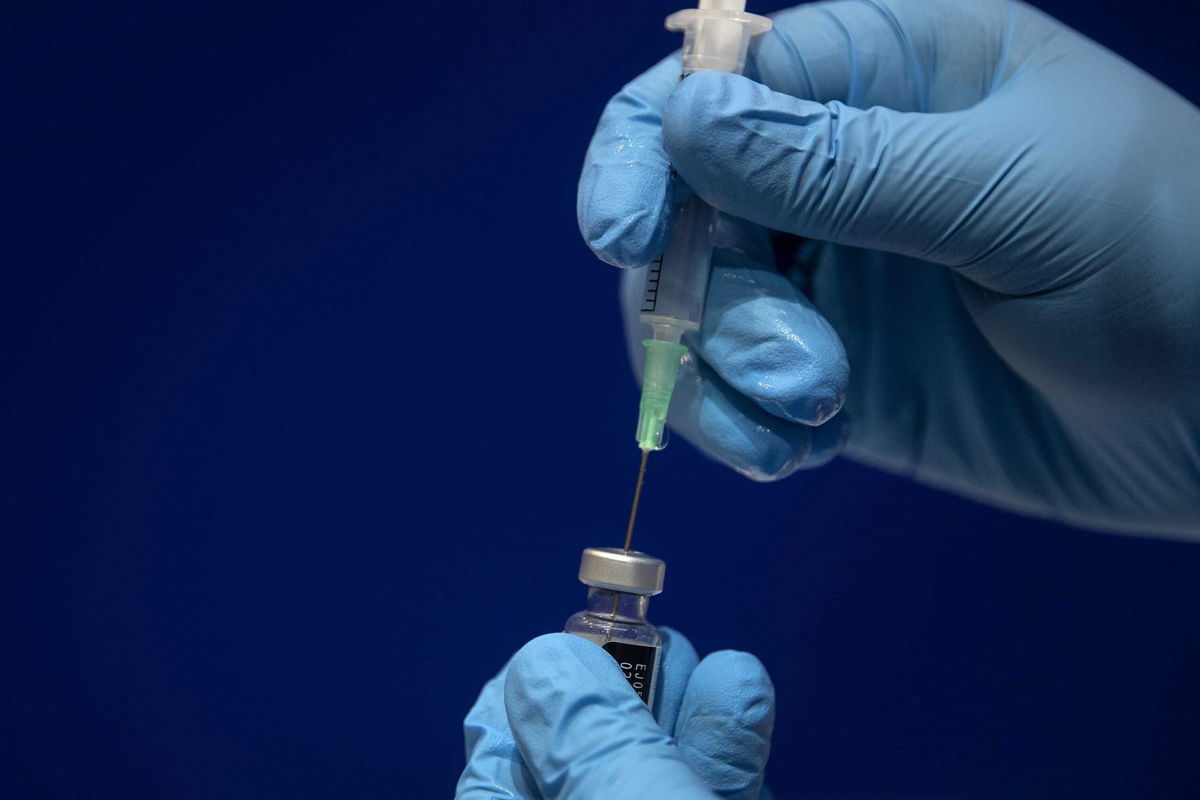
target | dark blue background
[{"x": 283, "y": 482}]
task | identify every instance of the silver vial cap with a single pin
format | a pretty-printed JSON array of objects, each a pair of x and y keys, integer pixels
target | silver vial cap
[{"x": 613, "y": 568}]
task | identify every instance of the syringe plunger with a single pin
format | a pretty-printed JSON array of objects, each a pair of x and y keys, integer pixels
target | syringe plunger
[{"x": 716, "y": 35}]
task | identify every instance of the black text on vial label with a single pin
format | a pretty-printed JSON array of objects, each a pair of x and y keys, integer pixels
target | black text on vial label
[{"x": 637, "y": 663}]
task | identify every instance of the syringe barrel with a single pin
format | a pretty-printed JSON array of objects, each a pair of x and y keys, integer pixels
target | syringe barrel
[
  {"x": 715, "y": 37},
  {"x": 677, "y": 283}
]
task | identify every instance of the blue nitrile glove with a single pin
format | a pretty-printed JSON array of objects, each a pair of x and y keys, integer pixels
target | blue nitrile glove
[
  {"x": 561, "y": 721},
  {"x": 995, "y": 217}
]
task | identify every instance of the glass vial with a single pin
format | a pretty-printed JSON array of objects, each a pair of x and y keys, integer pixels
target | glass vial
[{"x": 620, "y": 585}]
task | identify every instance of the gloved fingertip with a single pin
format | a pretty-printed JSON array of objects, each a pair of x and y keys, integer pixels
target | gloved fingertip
[
  {"x": 730, "y": 428},
  {"x": 623, "y": 212},
  {"x": 828, "y": 440},
  {"x": 714, "y": 125},
  {"x": 542, "y": 663},
  {"x": 678, "y": 660},
  {"x": 771, "y": 464},
  {"x": 726, "y": 723},
  {"x": 623, "y": 204},
  {"x": 671, "y": 634},
  {"x": 736, "y": 680},
  {"x": 808, "y": 390},
  {"x": 675, "y": 642},
  {"x": 700, "y": 116},
  {"x": 769, "y": 343}
]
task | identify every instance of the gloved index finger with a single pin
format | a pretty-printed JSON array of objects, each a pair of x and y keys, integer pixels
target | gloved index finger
[
  {"x": 674, "y": 671},
  {"x": 623, "y": 202}
]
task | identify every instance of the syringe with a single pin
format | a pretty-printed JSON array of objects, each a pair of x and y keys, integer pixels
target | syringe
[{"x": 716, "y": 36}]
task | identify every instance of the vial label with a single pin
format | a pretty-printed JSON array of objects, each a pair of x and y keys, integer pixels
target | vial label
[{"x": 637, "y": 662}]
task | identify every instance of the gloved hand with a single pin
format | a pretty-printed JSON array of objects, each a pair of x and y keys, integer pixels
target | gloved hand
[
  {"x": 560, "y": 721},
  {"x": 988, "y": 216}
]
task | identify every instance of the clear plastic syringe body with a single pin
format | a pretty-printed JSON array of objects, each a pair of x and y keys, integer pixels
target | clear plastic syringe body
[{"x": 716, "y": 36}]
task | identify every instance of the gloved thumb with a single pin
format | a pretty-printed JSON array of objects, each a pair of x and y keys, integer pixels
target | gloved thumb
[
  {"x": 903, "y": 182},
  {"x": 583, "y": 732}
]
